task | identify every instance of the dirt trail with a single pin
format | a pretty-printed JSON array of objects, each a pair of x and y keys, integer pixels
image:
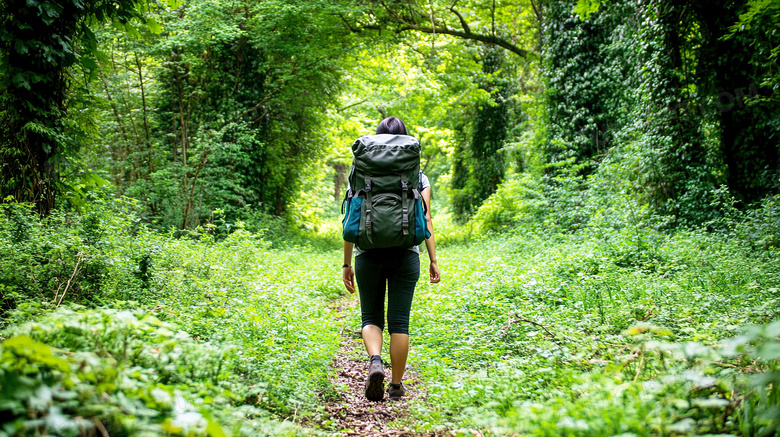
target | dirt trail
[{"x": 356, "y": 415}]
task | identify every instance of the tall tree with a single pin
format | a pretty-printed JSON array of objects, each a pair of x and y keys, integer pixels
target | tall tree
[
  {"x": 488, "y": 133},
  {"x": 40, "y": 43},
  {"x": 707, "y": 113},
  {"x": 588, "y": 60},
  {"x": 731, "y": 69},
  {"x": 239, "y": 91},
  {"x": 675, "y": 165}
]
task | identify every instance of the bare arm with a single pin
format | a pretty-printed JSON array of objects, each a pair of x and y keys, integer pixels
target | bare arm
[
  {"x": 430, "y": 243},
  {"x": 348, "y": 272}
]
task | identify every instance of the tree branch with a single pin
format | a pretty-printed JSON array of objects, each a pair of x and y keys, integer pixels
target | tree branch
[
  {"x": 256, "y": 107},
  {"x": 433, "y": 24},
  {"x": 349, "y": 26},
  {"x": 515, "y": 318},
  {"x": 435, "y": 27},
  {"x": 463, "y": 23},
  {"x": 490, "y": 39},
  {"x": 75, "y": 272},
  {"x": 536, "y": 11},
  {"x": 353, "y": 104},
  {"x": 493, "y": 19},
  {"x": 395, "y": 16}
]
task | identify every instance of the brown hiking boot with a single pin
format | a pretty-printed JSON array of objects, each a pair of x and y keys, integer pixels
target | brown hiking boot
[
  {"x": 375, "y": 383},
  {"x": 396, "y": 391}
]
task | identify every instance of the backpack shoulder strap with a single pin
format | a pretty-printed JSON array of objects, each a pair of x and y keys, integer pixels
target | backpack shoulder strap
[{"x": 418, "y": 193}]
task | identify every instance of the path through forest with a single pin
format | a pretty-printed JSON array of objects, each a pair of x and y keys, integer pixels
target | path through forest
[{"x": 356, "y": 415}]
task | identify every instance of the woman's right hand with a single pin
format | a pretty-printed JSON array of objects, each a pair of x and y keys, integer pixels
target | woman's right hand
[
  {"x": 434, "y": 272},
  {"x": 349, "y": 278}
]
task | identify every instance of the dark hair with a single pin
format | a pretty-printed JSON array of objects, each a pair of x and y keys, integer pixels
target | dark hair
[{"x": 392, "y": 125}]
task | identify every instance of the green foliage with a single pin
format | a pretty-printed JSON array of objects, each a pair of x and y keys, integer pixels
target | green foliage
[
  {"x": 569, "y": 305},
  {"x": 761, "y": 228},
  {"x": 219, "y": 282},
  {"x": 211, "y": 114},
  {"x": 474, "y": 183},
  {"x": 673, "y": 77},
  {"x": 40, "y": 44},
  {"x": 584, "y": 8},
  {"x": 601, "y": 333},
  {"x": 587, "y": 64},
  {"x": 738, "y": 60},
  {"x": 89, "y": 259},
  {"x": 123, "y": 372},
  {"x": 759, "y": 16},
  {"x": 519, "y": 202},
  {"x": 610, "y": 326}
]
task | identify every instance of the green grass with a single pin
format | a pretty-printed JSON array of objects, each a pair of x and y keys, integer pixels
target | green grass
[
  {"x": 560, "y": 336},
  {"x": 622, "y": 331},
  {"x": 241, "y": 332}
]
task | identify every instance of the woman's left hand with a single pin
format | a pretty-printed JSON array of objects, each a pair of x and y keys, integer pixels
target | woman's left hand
[
  {"x": 349, "y": 279},
  {"x": 434, "y": 270}
]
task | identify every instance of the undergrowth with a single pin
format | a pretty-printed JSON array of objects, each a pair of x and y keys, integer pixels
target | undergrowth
[
  {"x": 190, "y": 335},
  {"x": 617, "y": 326},
  {"x": 605, "y": 331}
]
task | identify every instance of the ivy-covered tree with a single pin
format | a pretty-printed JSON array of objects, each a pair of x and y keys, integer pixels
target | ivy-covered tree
[
  {"x": 675, "y": 157},
  {"x": 41, "y": 41},
  {"x": 590, "y": 77},
  {"x": 705, "y": 113},
  {"x": 735, "y": 73},
  {"x": 474, "y": 183}
]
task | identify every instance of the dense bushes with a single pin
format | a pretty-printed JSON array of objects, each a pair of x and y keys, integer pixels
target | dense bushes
[
  {"x": 90, "y": 258},
  {"x": 589, "y": 318},
  {"x": 627, "y": 331},
  {"x": 222, "y": 286},
  {"x": 125, "y": 372},
  {"x": 122, "y": 372},
  {"x": 583, "y": 313}
]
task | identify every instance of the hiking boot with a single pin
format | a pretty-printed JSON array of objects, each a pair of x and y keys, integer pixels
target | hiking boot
[
  {"x": 396, "y": 391},
  {"x": 375, "y": 383}
]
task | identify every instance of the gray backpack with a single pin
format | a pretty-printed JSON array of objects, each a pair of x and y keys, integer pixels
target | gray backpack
[{"x": 384, "y": 207}]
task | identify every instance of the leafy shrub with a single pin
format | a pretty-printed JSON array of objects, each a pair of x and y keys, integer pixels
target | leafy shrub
[
  {"x": 222, "y": 284},
  {"x": 240, "y": 290},
  {"x": 549, "y": 334},
  {"x": 518, "y": 201},
  {"x": 123, "y": 372},
  {"x": 761, "y": 227},
  {"x": 65, "y": 257}
]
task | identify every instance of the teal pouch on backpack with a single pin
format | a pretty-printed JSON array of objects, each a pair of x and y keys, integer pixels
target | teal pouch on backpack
[
  {"x": 351, "y": 222},
  {"x": 421, "y": 232}
]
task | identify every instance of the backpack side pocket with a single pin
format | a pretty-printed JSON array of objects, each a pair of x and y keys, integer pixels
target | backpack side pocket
[
  {"x": 421, "y": 232},
  {"x": 351, "y": 222}
]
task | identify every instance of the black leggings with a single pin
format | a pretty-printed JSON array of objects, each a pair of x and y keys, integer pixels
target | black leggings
[{"x": 395, "y": 269}]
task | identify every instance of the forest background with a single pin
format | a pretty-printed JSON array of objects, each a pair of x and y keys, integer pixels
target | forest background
[{"x": 611, "y": 166}]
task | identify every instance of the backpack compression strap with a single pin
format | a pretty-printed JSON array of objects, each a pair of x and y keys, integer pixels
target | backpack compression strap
[
  {"x": 369, "y": 207},
  {"x": 404, "y": 193}
]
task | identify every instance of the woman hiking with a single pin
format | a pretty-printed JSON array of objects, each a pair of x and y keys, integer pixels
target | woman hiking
[{"x": 395, "y": 271}]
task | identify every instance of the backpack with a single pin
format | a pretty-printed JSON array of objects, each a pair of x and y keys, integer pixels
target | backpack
[{"x": 384, "y": 207}]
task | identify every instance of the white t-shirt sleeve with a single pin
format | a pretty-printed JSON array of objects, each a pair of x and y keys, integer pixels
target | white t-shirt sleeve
[{"x": 425, "y": 182}]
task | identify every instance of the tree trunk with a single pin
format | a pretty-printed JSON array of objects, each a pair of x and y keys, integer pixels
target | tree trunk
[{"x": 339, "y": 179}]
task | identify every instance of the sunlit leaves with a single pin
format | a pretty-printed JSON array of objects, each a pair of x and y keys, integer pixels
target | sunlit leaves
[{"x": 584, "y": 8}]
